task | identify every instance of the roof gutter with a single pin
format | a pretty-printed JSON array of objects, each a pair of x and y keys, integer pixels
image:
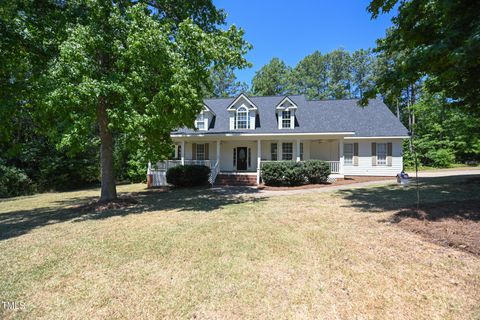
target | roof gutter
[
  {"x": 265, "y": 134},
  {"x": 377, "y": 137}
]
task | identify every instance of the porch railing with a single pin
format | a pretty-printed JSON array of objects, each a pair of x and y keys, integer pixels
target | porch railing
[
  {"x": 167, "y": 164},
  {"x": 159, "y": 171},
  {"x": 214, "y": 172},
  {"x": 334, "y": 165}
]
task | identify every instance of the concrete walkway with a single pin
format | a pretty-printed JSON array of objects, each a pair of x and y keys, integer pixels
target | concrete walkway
[{"x": 253, "y": 191}]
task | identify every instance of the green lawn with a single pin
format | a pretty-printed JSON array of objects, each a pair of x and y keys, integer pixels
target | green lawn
[{"x": 198, "y": 254}]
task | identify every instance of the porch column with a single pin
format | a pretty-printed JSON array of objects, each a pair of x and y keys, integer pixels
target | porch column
[
  {"x": 259, "y": 159},
  {"x": 183, "y": 153},
  {"x": 218, "y": 153},
  {"x": 298, "y": 150},
  {"x": 340, "y": 153},
  {"x": 279, "y": 151}
]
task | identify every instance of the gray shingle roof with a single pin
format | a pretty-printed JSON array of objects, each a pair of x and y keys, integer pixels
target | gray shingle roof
[{"x": 322, "y": 116}]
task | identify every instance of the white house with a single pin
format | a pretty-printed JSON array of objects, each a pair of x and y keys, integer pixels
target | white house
[{"x": 235, "y": 135}]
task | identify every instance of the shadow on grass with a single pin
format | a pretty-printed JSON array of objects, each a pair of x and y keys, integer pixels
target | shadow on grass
[
  {"x": 396, "y": 197},
  {"x": 16, "y": 223}
]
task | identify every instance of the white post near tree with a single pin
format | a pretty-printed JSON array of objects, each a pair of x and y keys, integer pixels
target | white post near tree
[
  {"x": 340, "y": 151},
  {"x": 218, "y": 152},
  {"x": 298, "y": 150},
  {"x": 183, "y": 153},
  {"x": 259, "y": 159}
]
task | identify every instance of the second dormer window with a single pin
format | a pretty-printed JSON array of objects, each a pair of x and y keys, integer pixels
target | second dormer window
[
  {"x": 242, "y": 118},
  {"x": 286, "y": 119}
]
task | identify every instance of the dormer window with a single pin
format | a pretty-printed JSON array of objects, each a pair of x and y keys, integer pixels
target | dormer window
[
  {"x": 200, "y": 122},
  {"x": 242, "y": 118},
  {"x": 286, "y": 113},
  {"x": 242, "y": 113},
  {"x": 286, "y": 119}
]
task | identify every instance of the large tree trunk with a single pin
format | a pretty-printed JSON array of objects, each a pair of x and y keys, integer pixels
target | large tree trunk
[{"x": 109, "y": 191}]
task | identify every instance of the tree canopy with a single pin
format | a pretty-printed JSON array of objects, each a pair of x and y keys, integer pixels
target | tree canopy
[
  {"x": 271, "y": 79},
  {"x": 437, "y": 42},
  {"x": 225, "y": 83},
  {"x": 118, "y": 67}
]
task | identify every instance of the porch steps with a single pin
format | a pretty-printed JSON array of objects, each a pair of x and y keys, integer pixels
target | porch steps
[{"x": 236, "y": 180}]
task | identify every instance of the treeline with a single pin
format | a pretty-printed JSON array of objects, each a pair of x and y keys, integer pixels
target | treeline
[
  {"x": 334, "y": 75},
  {"x": 33, "y": 162}
]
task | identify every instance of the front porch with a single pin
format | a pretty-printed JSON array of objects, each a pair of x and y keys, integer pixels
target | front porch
[{"x": 245, "y": 156}]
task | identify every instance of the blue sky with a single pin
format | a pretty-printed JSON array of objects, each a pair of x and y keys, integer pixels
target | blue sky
[{"x": 291, "y": 29}]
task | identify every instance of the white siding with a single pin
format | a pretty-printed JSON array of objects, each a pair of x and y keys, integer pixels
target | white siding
[
  {"x": 365, "y": 167},
  {"x": 232, "y": 120},
  {"x": 306, "y": 150},
  {"x": 252, "y": 119},
  {"x": 324, "y": 150},
  {"x": 266, "y": 149}
]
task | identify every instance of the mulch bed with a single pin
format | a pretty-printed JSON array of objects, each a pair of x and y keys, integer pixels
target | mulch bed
[
  {"x": 450, "y": 223},
  {"x": 339, "y": 182}
]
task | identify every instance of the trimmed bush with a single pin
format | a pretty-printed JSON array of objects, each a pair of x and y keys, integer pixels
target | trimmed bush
[
  {"x": 291, "y": 173},
  {"x": 283, "y": 173},
  {"x": 317, "y": 171},
  {"x": 188, "y": 175}
]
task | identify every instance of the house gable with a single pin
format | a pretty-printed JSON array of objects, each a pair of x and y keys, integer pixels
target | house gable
[
  {"x": 242, "y": 113},
  {"x": 204, "y": 119},
  {"x": 285, "y": 110}
]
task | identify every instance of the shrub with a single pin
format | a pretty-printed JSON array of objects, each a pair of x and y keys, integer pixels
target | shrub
[
  {"x": 441, "y": 158},
  {"x": 291, "y": 173},
  {"x": 272, "y": 173},
  {"x": 317, "y": 171},
  {"x": 188, "y": 175},
  {"x": 14, "y": 182},
  {"x": 283, "y": 173}
]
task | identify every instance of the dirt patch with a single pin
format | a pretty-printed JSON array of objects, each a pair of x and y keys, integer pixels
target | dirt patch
[
  {"x": 97, "y": 206},
  {"x": 339, "y": 182},
  {"x": 449, "y": 223}
]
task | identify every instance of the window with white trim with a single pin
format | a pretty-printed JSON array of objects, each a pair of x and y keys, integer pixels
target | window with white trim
[
  {"x": 286, "y": 119},
  {"x": 301, "y": 151},
  {"x": 348, "y": 153},
  {"x": 200, "y": 152},
  {"x": 273, "y": 151},
  {"x": 242, "y": 118},
  {"x": 287, "y": 151},
  {"x": 381, "y": 154},
  {"x": 200, "y": 122}
]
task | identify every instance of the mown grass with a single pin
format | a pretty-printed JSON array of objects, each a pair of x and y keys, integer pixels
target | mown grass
[{"x": 201, "y": 254}]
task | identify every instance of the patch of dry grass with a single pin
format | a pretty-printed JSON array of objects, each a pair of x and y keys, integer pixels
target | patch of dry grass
[{"x": 196, "y": 254}]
